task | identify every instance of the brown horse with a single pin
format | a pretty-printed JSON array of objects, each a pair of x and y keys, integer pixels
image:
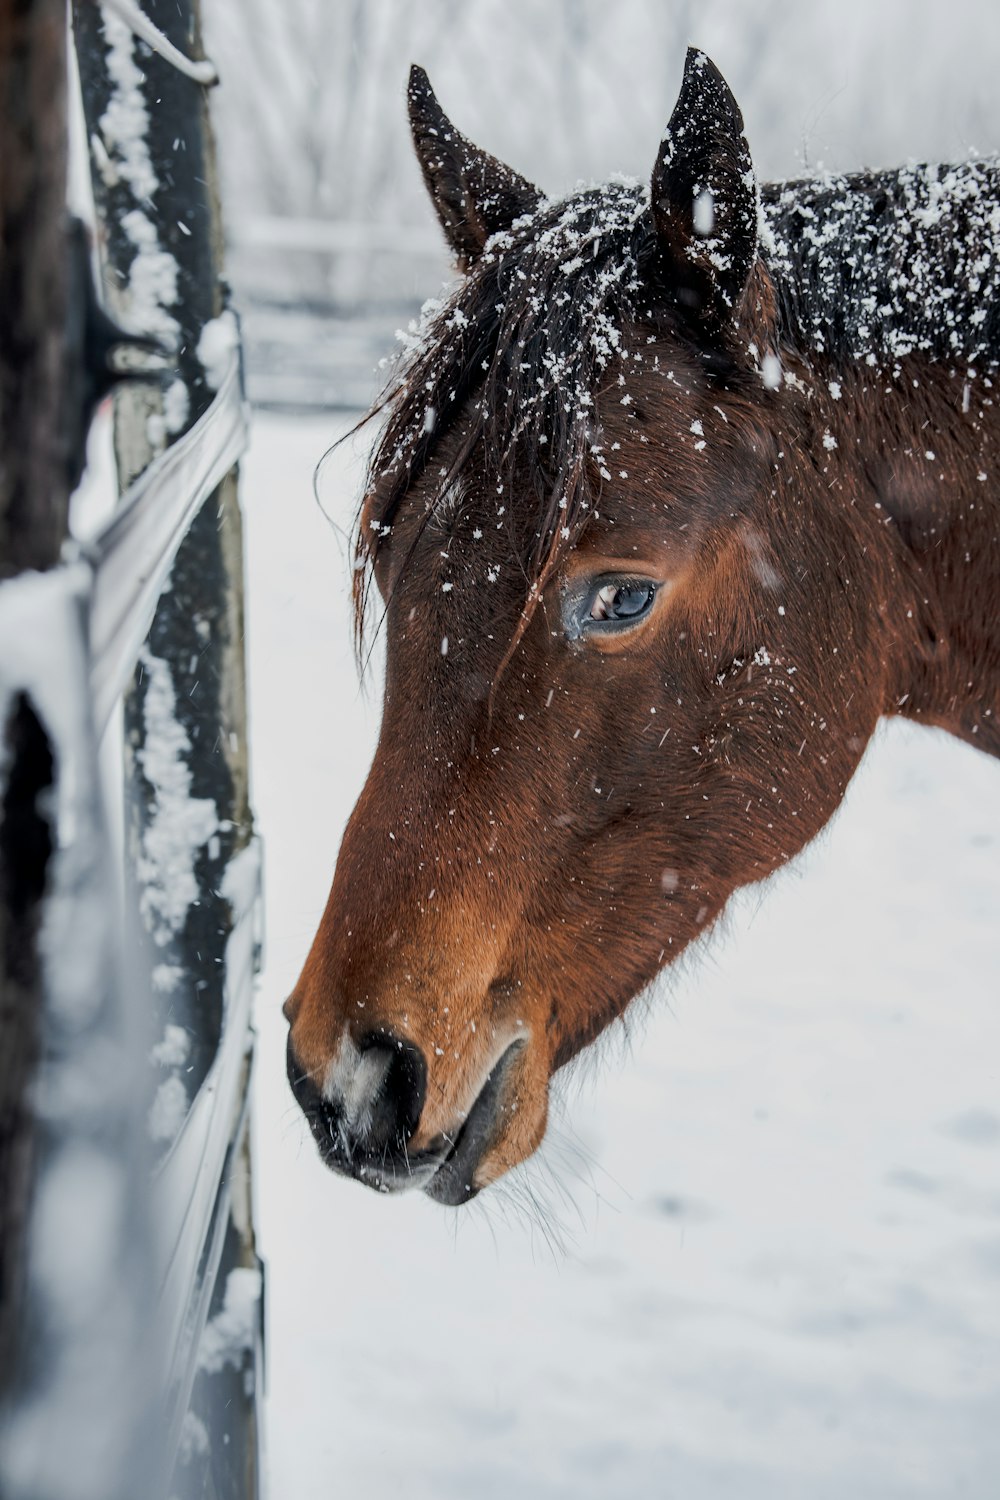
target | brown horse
[{"x": 679, "y": 491}]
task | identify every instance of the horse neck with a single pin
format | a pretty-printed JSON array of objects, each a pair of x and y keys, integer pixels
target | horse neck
[
  {"x": 903, "y": 400},
  {"x": 914, "y": 451}
]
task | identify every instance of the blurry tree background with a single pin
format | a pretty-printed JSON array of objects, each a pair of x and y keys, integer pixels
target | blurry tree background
[{"x": 333, "y": 241}]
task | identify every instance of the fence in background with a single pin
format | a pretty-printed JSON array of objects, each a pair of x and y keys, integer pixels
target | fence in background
[
  {"x": 321, "y": 301},
  {"x": 138, "y": 1341}
]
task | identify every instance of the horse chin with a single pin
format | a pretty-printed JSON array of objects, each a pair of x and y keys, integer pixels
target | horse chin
[{"x": 492, "y": 1138}]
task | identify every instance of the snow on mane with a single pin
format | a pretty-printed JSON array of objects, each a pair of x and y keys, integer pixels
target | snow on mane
[
  {"x": 881, "y": 266},
  {"x": 872, "y": 267}
]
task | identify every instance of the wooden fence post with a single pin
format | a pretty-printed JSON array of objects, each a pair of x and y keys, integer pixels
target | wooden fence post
[
  {"x": 187, "y": 796},
  {"x": 34, "y": 497}
]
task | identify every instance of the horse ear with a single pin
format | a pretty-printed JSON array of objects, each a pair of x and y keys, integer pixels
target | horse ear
[
  {"x": 704, "y": 195},
  {"x": 474, "y": 194}
]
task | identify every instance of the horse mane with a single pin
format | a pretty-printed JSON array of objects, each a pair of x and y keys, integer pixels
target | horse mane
[
  {"x": 515, "y": 358},
  {"x": 878, "y": 266},
  {"x": 868, "y": 266}
]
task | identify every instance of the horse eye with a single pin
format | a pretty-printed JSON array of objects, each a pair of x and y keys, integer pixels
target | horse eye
[{"x": 621, "y": 600}]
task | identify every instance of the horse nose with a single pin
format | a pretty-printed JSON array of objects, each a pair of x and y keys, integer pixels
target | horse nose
[
  {"x": 371, "y": 1096},
  {"x": 387, "y": 1090}
]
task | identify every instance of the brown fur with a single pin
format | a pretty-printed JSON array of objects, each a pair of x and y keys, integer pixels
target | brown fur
[{"x": 522, "y": 862}]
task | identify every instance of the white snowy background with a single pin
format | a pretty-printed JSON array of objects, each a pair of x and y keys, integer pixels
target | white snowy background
[
  {"x": 760, "y": 1253},
  {"x": 765, "y": 1256}
]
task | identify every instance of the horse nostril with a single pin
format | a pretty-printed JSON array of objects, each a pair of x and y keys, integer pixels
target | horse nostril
[
  {"x": 367, "y": 1110},
  {"x": 396, "y": 1107}
]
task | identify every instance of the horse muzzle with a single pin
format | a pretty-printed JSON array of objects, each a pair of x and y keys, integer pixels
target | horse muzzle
[{"x": 364, "y": 1117}]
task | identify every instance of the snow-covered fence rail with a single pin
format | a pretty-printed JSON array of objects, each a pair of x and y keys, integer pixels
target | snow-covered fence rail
[
  {"x": 134, "y": 1309},
  {"x": 129, "y": 562},
  {"x": 321, "y": 300},
  {"x": 135, "y": 1345},
  {"x": 133, "y": 553}
]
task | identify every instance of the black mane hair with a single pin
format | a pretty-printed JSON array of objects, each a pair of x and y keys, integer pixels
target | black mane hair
[
  {"x": 866, "y": 267},
  {"x": 519, "y": 353},
  {"x": 877, "y": 266}
]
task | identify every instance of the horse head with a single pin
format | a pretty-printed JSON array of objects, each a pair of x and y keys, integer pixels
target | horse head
[{"x": 625, "y": 674}]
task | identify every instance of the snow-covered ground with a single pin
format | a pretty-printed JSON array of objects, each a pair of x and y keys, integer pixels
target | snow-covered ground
[{"x": 760, "y": 1255}]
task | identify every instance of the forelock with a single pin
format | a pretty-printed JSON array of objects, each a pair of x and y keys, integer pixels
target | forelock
[{"x": 513, "y": 361}]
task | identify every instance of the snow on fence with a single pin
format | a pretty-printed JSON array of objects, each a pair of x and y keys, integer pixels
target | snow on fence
[
  {"x": 139, "y": 1332},
  {"x": 321, "y": 302},
  {"x": 104, "y": 1250}
]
